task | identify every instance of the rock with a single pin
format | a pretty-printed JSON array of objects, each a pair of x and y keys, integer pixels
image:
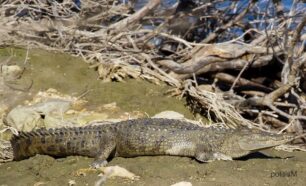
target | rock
[
  {"x": 117, "y": 171},
  {"x": 182, "y": 183},
  {"x": 53, "y": 94},
  {"x": 52, "y": 106},
  {"x": 50, "y": 114},
  {"x": 71, "y": 182},
  {"x": 169, "y": 115},
  {"x": 52, "y": 109},
  {"x": 27, "y": 118},
  {"x": 57, "y": 121},
  {"x": 24, "y": 119},
  {"x": 11, "y": 72},
  {"x": 72, "y": 119},
  {"x": 178, "y": 116}
]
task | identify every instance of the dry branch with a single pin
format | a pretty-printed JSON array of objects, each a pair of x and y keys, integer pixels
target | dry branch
[{"x": 120, "y": 45}]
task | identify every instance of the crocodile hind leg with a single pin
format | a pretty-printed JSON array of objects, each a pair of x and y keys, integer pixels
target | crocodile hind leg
[{"x": 106, "y": 149}]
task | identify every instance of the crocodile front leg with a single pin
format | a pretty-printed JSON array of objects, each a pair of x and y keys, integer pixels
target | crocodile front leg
[
  {"x": 206, "y": 153},
  {"x": 106, "y": 149},
  {"x": 211, "y": 156}
]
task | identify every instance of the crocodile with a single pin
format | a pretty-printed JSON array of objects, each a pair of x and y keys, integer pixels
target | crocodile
[{"x": 141, "y": 137}]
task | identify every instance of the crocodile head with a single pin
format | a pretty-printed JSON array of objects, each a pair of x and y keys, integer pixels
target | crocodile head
[{"x": 244, "y": 141}]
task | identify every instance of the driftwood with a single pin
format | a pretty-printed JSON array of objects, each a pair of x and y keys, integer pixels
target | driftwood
[{"x": 256, "y": 77}]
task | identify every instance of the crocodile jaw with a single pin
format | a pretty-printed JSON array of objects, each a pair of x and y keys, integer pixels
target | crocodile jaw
[{"x": 259, "y": 145}]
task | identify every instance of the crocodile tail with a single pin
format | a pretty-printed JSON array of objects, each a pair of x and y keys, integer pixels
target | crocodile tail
[{"x": 60, "y": 142}]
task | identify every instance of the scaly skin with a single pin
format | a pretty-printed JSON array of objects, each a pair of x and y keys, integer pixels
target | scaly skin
[{"x": 145, "y": 137}]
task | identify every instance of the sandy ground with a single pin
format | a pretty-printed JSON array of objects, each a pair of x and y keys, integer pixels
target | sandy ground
[{"x": 269, "y": 168}]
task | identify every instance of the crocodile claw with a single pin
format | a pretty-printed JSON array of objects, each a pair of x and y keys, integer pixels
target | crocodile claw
[{"x": 98, "y": 163}]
